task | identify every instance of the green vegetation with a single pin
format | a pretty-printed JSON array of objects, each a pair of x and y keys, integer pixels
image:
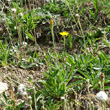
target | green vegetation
[{"x": 67, "y": 42}]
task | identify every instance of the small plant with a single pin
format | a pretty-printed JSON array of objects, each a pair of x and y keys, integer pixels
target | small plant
[
  {"x": 4, "y": 56},
  {"x": 90, "y": 67},
  {"x": 56, "y": 83},
  {"x": 31, "y": 62},
  {"x": 64, "y": 35}
]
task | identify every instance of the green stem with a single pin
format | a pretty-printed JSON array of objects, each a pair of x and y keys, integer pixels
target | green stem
[
  {"x": 82, "y": 31},
  {"x": 35, "y": 101},
  {"x": 65, "y": 97},
  {"x": 64, "y": 42},
  {"x": 29, "y": 102},
  {"x": 52, "y": 36}
]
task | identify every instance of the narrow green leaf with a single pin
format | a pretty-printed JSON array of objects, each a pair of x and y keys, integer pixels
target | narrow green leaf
[
  {"x": 30, "y": 36},
  {"x": 75, "y": 83}
]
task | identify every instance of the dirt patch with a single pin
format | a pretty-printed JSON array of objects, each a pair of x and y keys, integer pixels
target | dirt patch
[{"x": 15, "y": 76}]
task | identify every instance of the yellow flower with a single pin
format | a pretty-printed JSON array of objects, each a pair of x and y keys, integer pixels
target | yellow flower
[
  {"x": 64, "y": 33},
  {"x": 51, "y": 21}
]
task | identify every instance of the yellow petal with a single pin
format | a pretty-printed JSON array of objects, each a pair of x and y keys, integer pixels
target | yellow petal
[{"x": 64, "y": 33}]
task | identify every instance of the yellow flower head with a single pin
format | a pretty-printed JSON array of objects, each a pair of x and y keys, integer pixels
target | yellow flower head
[
  {"x": 64, "y": 33},
  {"x": 51, "y": 21}
]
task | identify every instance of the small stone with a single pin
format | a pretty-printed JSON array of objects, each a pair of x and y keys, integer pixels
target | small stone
[
  {"x": 101, "y": 96},
  {"x": 3, "y": 87}
]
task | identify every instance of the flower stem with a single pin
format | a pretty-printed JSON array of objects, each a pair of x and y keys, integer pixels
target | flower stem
[
  {"x": 52, "y": 34},
  {"x": 64, "y": 42}
]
